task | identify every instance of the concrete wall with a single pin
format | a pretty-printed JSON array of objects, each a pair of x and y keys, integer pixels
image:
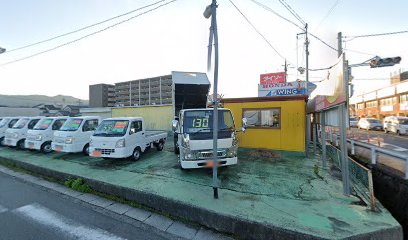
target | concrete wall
[
  {"x": 14, "y": 112},
  {"x": 156, "y": 117},
  {"x": 290, "y": 136}
]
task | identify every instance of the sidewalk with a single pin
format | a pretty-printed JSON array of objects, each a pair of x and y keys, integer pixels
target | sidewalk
[{"x": 275, "y": 195}]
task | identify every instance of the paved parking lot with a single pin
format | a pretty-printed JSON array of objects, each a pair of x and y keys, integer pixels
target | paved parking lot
[{"x": 280, "y": 189}]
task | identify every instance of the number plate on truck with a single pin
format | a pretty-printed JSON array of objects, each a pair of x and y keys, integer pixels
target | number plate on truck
[
  {"x": 96, "y": 153},
  {"x": 58, "y": 148}
]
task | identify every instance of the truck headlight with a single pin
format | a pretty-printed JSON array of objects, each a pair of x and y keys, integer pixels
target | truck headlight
[
  {"x": 232, "y": 151},
  {"x": 38, "y": 137},
  {"x": 185, "y": 141},
  {"x": 69, "y": 140},
  {"x": 120, "y": 143},
  {"x": 234, "y": 138}
]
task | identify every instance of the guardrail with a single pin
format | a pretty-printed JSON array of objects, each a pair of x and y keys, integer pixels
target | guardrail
[{"x": 374, "y": 150}]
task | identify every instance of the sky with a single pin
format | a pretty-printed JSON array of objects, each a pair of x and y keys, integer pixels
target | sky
[{"x": 175, "y": 38}]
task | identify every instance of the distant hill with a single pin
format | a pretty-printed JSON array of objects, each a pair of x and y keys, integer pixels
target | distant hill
[{"x": 33, "y": 100}]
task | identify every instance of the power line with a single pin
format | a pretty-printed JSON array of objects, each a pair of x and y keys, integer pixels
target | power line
[
  {"x": 293, "y": 23},
  {"x": 327, "y": 68},
  {"x": 374, "y": 35},
  {"x": 287, "y": 6},
  {"x": 83, "y": 28},
  {"x": 264, "y": 38},
  {"x": 328, "y": 13},
  {"x": 357, "y": 51},
  {"x": 88, "y": 35}
]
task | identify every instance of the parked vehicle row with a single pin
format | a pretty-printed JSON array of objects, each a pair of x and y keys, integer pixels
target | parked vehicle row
[
  {"x": 394, "y": 124},
  {"x": 110, "y": 138}
]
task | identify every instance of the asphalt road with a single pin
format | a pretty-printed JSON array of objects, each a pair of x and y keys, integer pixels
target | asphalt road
[
  {"x": 389, "y": 138},
  {"x": 30, "y": 212}
]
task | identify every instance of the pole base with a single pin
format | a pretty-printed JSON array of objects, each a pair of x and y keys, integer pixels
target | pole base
[{"x": 215, "y": 192}]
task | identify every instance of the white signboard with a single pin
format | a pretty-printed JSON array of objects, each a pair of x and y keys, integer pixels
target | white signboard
[{"x": 284, "y": 89}]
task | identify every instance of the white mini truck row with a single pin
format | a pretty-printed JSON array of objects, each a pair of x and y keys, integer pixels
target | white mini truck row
[
  {"x": 6, "y": 123},
  {"x": 125, "y": 137},
  {"x": 41, "y": 136},
  {"x": 193, "y": 138},
  {"x": 17, "y": 134},
  {"x": 74, "y": 136}
]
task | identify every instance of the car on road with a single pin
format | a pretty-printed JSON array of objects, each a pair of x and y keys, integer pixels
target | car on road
[
  {"x": 398, "y": 125},
  {"x": 353, "y": 121},
  {"x": 369, "y": 124}
]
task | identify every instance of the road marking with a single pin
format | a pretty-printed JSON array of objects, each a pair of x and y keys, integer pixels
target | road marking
[
  {"x": 39, "y": 214},
  {"x": 3, "y": 209}
]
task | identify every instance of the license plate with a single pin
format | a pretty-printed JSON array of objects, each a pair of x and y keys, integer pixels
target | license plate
[
  {"x": 96, "y": 153},
  {"x": 210, "y": 164},
  {"x": 58, "y": 148},
  {"x": 30, "y": 145}
]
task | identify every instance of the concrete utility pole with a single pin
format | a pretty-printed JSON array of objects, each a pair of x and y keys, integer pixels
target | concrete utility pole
[
  {"x": 342, "y": 113},
  {"x": 211, "y": 10},
  {"x": 307, "y": 91}
]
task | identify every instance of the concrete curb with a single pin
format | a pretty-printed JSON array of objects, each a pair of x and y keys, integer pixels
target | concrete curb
[{"x": 177, "y": 229}]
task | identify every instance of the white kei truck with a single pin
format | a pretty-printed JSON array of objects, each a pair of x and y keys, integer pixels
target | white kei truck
[
  {"x": 40, "y": 137},
  {"x": 74, "y": 136},
  {"x": 124, "y": 137},
  {"x": 193, "y": 138},
  {"x": 6, "y": 123},
  {"x": 16, "y": 136}
]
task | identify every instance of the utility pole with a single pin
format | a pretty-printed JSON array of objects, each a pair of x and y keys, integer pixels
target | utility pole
[
  {"x": 286, "y": 71},
  {"x": 211, "y": 10},
  {"x": 307, "y": 91}
]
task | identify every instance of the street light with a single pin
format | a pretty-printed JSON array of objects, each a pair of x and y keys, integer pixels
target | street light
[
  {"x": 2, "y": 50},
  {"x": 211, "y": 11}
]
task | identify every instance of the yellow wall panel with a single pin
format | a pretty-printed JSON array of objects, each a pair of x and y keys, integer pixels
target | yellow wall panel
[
  {"x": 156, "y": 117},
  {"x": 291, "y": 135}
]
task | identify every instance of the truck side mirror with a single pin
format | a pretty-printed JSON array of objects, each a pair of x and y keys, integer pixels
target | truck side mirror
[
  {"x": 244, "y": 124},
  {"x": 174, "y": 125}
]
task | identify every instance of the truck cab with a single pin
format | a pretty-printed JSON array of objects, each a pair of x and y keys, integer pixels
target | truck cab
[
  {"x": 6, "y": 123},
  {"x": 193, "y": 138},
  {"x": 74, "y": 136},
  {"x": 16, "y": 135},
  {"x": 124, "y": 138},
  {"x": 40, "y": 137}
]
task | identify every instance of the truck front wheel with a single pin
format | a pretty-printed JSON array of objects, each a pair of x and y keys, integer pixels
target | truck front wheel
[
  {"x": 46, "y": 147},
  {"x": 160, "y": 146},
  {"x": 136, "y": 154}
]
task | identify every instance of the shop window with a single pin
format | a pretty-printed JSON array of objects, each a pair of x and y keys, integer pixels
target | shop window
[{"x": 263, "y": 118}]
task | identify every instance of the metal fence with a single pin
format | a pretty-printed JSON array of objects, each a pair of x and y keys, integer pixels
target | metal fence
[{"x": 361, "y": 177}]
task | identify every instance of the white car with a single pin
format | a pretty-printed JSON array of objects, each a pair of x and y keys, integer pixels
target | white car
[
  {"x": 124, "y": 138},
  {"x": 398, "y": 125},
  {"x": 6, "y": 123},
  {"x": 353, "y": 121},
  {"x": 16, "y": 136},
  {"x": 74, "y": 136},
  {"x": 369, "y": 124},
  {"x": 40, "y": 137}
]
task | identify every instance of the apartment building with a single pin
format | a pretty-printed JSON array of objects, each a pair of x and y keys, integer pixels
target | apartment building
[{"x": 102, "y": 95}]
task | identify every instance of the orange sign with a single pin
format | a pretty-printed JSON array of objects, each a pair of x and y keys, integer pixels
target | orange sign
[{"x": 270, "y": 78}]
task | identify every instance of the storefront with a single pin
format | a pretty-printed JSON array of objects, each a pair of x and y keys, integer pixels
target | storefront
[{"x": 276, "y": 123}]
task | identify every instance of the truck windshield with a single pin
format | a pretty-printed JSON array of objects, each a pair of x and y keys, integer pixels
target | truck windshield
[
  {"x": 199, "y": 124},
  {"x": 43, "y": 124},
  {"x": 21, "y": 123},
  {"x": 112, "y": 128},
  {"x": 3, "y": 122},
  {"x": 71, "y": 124}
]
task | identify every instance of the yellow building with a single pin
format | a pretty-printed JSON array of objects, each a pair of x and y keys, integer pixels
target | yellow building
[{"x": 276, "y": 123}]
